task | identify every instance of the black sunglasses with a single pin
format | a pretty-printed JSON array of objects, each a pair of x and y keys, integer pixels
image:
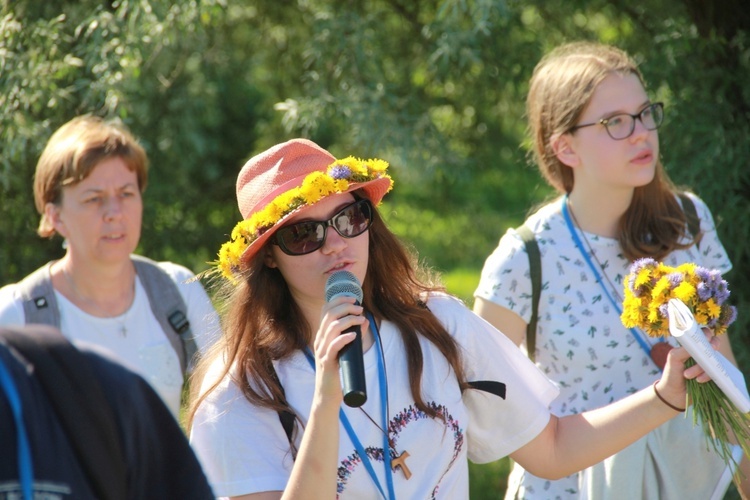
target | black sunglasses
[{"x": 307, "y": 236}]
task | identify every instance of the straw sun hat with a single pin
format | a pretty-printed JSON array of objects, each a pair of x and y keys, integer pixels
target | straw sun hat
[{"x": 286, "y": 180}]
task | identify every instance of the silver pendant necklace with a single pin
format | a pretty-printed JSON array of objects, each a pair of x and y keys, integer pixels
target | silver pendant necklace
[
  {"x": 122, "y": 319},
  {"x": 398, "y": 461}
]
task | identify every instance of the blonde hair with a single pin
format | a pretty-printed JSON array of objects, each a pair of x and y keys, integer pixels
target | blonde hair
[
  {"x": 71, "y": 155},
  {"x": 561, "y": 87}
]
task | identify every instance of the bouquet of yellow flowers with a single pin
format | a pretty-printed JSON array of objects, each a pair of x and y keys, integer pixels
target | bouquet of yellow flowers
[{"x": 649, "y": 287}]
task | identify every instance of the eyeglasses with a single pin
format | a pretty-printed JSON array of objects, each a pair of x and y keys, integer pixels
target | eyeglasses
[
  {"x": 621, "y": 126},
  {"x": 307, "y": 236}
]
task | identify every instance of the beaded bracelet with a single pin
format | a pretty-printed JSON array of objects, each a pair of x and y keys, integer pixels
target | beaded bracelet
[{"x": 665, "y": 401}]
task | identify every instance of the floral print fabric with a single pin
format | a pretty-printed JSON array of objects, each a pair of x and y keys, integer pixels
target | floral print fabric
[{"x": 581, "y": 344}]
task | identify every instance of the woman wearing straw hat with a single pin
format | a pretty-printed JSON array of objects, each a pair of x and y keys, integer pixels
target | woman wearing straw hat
[{"x": 443, "y": 385}]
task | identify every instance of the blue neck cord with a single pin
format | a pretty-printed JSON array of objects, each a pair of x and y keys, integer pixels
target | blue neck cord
[
  {"x": 384, "y": 404},
  {"x": 25, "y": 468},
  {"x": 577, "y": 240}
]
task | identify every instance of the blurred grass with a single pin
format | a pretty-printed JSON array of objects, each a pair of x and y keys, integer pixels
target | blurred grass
[
  {"x": 462, "y": 282},
  {"x": 489, "y": 481}
]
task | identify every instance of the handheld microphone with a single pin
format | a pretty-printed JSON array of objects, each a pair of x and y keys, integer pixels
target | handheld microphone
[{"x": 351, "y": 361}]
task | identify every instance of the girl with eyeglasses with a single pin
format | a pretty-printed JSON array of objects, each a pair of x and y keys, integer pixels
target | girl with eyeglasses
[
  {"x": 443, "y": 386},
  {"x": 595, "y": 140}
]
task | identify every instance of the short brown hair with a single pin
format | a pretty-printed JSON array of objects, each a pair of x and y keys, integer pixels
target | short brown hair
[{"x": 72, "y": 153}]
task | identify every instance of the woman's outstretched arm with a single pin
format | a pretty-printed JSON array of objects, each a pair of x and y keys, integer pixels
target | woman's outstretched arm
[{"x": 574, "y": 442}]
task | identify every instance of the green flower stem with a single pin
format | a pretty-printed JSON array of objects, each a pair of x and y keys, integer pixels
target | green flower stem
[{"x": 719, "y": 417}]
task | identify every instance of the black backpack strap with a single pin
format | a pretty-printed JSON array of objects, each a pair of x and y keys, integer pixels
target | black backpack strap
[
  {"x": 535, "y": 265},
  {"x": 38, "y": 298},
  {"x": 287, "y": 422},
  {"x": 286, "y": 417},
  {"x": 167, "y": 304},
  {"x": 691, "y": 214},
  {"x": 535, "y": 272},
  {"x": 168, "y": 307},
  {"x": 490, "y": 386},
  {"x": 79, "y": 403}
]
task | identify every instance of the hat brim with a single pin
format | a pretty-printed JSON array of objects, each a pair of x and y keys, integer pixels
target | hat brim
[{"x": 374, "y": 191}]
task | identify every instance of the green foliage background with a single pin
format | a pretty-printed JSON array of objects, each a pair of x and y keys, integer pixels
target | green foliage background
[{"x": 435, "y": 87}]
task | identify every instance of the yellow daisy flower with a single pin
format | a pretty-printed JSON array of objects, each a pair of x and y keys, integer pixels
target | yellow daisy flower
[{"x": 315, "y": 186}]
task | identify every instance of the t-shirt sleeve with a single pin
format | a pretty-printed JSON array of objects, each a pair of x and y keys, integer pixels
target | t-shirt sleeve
[
  {"x": 713, "y": 255},
  {"x": 498, "y": 426},
  {"x": 204, "y": 321},
  {"x": 243, "y": 448},
  {"x": 11, "y": 308},
  {"x": 505, "y": 278}
]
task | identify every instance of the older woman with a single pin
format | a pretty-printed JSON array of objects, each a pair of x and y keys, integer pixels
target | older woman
[{"x": 87, "y": 188}]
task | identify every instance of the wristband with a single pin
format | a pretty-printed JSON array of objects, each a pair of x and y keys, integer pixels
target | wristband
[{"x": 664, "y": 400}]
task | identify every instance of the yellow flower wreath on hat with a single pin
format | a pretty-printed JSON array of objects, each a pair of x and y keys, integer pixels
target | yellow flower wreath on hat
[{"x": 314, "y": 187}]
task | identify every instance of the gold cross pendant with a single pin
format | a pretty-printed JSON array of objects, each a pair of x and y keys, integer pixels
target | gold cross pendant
[{"x": 400, "y": 461}]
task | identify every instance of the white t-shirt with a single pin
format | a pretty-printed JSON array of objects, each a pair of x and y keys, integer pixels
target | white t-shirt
[
  {"x": 244, "y": 449},
  {"x": 135, "y": 338},
  {"x": 583, "y": 347}
]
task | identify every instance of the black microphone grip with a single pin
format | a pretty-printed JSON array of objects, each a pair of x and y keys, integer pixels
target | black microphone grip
[
  {"x": 351, "y": 361},
  {"x": 352, "y": 370}
]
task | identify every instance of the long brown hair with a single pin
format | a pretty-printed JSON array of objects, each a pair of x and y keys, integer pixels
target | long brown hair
[
  {"x": 263, "y": 322},
  {"x": 560, "y": 89}
]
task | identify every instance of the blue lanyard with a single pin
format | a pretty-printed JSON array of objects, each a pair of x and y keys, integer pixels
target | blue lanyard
[
  {"x": 25, "y": 469},
  {"x": 384, "y": 413},
  {"x": 577, "y": 240}
]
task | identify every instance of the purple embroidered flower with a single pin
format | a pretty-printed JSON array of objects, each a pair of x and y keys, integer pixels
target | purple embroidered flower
[
  {"x": 376, "y": 454},
  {"x": 345, "y": 470},
  {"x": 395, "y": 426}
]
